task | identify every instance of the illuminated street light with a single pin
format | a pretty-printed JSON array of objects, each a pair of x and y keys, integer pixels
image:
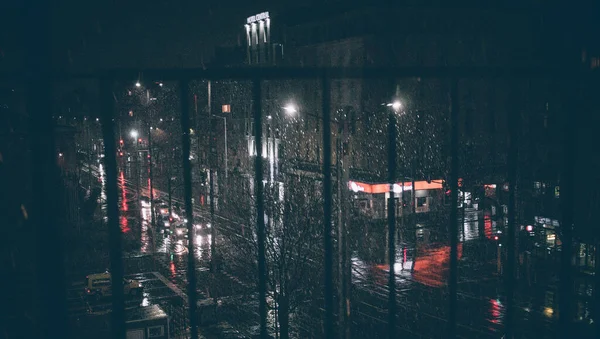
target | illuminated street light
[
  {"x": 396, "y": 105},
  {"x": 137, "y": 84},
  {"x": 134, "y": 134},
  {"x": 290, "y": 109}
]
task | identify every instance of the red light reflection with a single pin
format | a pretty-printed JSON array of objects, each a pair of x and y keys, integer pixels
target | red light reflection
[
  {"x": 173, "y": 269},
  {"x": 153, "y": 194},
  {"x": 495, "y": 309},
  {"x": 123, "y": 193},
  {"x": 432, "y": 265},
  {"x": 487, "y": 224},
  {"x": 124, "y": 224}
]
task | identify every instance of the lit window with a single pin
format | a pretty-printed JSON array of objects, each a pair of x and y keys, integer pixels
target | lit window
[
  {"x": 130, "y": 113},
  {"x": 226, "y": 109}
]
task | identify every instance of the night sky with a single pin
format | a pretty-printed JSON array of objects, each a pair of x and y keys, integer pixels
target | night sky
[{"x": 94, "y": 34}]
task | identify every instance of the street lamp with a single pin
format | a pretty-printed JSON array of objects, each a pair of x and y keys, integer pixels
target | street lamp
[
  {"x": 396, "y": 105},
  {"x": 290, "y": 109},
  {"x": 133, "y": 134},
  {"x": 137, "y": 84}
]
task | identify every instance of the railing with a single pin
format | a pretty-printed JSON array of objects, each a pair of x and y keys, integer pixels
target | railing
[{"x": 54, "y": 309}]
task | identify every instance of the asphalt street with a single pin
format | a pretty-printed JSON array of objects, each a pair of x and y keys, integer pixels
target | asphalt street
[{"x": 422, "y": 270}]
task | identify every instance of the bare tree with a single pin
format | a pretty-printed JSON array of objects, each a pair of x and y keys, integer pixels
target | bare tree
[{"x": 293, "y": 247}]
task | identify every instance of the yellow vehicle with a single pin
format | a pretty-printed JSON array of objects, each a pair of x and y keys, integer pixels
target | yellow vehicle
[{"x": 99, "y": 285}]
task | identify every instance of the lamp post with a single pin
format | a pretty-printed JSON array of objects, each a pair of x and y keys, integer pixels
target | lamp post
[
  {"x": 134, "y": 134},
  {"x": 342, "y": 174},
  {"x": 391, "y": 214},
  {"x": 225, "y": 136}
]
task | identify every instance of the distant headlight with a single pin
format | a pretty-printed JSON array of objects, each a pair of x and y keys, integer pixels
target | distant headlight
[
  {"x": 208, "y": 225},
  {"x": 198, "y": 226},
  {"x": 180, "y": 232},
  {"x": 167, "y": 224}
]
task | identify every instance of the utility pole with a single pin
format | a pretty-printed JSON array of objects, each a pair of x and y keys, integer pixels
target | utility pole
[
  {"x": 453, "y": 227},
  {"x": 413, "y": 195},
  {"x": 213, "y": 227},
  {"x": 391, "y": 214},
  {"x": 567, "y": 198},
  {"x": 112, "y": 207},
  {"x": 402, "y": 199},
  {"x": 169, "y": 192},
  {"x": 343, "y": 264},
  {"x": 187, "y": 179},
  {"x": 153, "y": 217},
  {"x": 327, "y": 204},
  {"x": 260, "y": 210}
]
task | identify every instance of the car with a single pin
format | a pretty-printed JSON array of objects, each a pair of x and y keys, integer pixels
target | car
[
  {"x": 145, "y": 201},
  {"x": 181, "y": 229},
  {"x": 164, "y": 221},
  {"x": 162, "y": 209},
  {"x": 100, "y": 285},
  {"x": 200, "y": 224}
]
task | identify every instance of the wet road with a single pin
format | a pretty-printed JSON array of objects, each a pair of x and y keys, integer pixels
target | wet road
[{"x": 422, "y": 269}]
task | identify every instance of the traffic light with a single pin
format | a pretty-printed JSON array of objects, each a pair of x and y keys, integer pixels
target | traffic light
[
  {"x": 121, "y": 142},
  {"x": 140, "y": 140},
  {"x": 498, "y": 238},
  {"x": 120, "y": 154}
]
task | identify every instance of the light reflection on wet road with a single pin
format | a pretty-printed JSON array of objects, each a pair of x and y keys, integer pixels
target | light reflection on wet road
[{"x": 422, "y": 264}]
